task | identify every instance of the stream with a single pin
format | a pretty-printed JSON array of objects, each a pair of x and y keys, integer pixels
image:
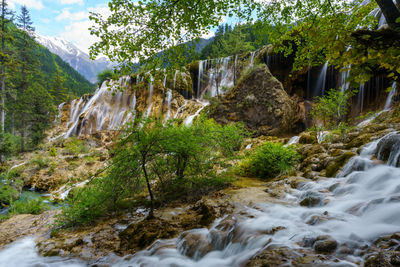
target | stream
[{"x": 358, "y": 206}]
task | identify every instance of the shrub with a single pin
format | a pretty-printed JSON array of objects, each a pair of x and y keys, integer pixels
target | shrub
[
  {"x": 332, "y": 108},
  {"x": 74, "y": 146},
  {"x": 8, "y": 194},
  {"x": 269, "y": 161},
  {"x": 28, "y": 206},
  {"x": 9, "y": 145},
  {"x": 40, "y": 162},
  {"x": 53, "y": 152},
  {"x": 52, "y": 168},
  {"x": 169, "y": 160}
]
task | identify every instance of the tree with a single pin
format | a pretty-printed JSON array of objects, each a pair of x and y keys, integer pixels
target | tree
[
  {"x": 58, "y": 89},
  {"x": 6, "y": 19},
  {"x": 104, "y": 75},
  {"x": 27, "y": 64},
  {"x": 311, "y": 31}
]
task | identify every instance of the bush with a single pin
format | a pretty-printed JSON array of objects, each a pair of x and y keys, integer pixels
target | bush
[
  {"x": 169, "y": 160},
  {"x": 269, "y": 161},
  {"x": 74, "y": 146},
  {"x": 332, "y": 108},
  {"x": 9, "y": 145},
  {"x": 40, "y": 162},
  {"x": 8, "y": 194},
  {"x": 28, "y": 206},
  {"x": 52, "y": 152}
]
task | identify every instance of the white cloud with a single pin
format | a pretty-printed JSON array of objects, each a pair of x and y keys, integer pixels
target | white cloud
[
  {"x": 67, "y": 15},
  {"x": 34, "y": 4},
  {"x": 78, "y": 31},
  {"x": 70, "y": 2}
]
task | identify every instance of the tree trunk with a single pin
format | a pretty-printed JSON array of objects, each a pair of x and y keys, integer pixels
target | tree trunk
[
  {"x": 148, "y": 188},
  {"x": 391, "y": 13}
]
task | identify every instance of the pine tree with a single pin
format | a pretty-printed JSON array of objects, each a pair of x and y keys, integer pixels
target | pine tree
[
  {"x": 57, "y": 87},
  {"x": 6, "y": 19},
  {"x": 27, "y": 65}
]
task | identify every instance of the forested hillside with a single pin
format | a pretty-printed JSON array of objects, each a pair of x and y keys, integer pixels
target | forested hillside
[{"x": 33, "y": 82}]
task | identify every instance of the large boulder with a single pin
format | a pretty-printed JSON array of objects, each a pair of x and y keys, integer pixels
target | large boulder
[{"x": 261, "y": 103}]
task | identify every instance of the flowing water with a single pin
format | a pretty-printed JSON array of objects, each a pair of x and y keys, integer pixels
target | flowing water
[
  {"x": 390, "y": 97},
  {"x": 355, "y": 208}
]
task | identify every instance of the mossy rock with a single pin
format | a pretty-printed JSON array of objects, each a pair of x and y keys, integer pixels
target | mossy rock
[
  {"x": 308, "y": 138},
  {"x": 360, "y": 140},
  {"x": 142, "y": 234},
  {"x": 334, "y": 166}
]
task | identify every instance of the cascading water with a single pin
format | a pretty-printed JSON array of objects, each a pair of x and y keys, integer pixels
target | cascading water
[
  {"x": 321, "y": 81},
  {"x": 354, "y": 209},
  {"x": 201, "y": 63},
  {"x": 215, "y": 75},
  {"x": 361, "y": 96},
  {"x": 390, "y": 96},
  {"x": 189, "y": 119},
  {"x": 168, "y": 100},
  {"x": 105, "y": 110}
]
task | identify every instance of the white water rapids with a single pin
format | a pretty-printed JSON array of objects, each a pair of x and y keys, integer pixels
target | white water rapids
[{"x": 355, "y": 208}]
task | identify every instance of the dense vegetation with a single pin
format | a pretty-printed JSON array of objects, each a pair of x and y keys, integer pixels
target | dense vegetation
[
  {"x": 169, "y": 161},
  {"x": 269, "y": 160},
  {"x": 33, "y": 81}
]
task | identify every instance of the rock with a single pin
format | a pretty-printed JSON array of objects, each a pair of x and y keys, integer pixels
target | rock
[
  {"x": 144, "y": 233},
  {"x": 261, "y": 103},
  {"x": 388, "y": 145},
  {"x": 335, "y": 165},
  {"x": 311, "y": 199},
  {"x": 308, "y": 138},
  {"x": 194, "y": 244},
  {"x": 325, "y": 245}
]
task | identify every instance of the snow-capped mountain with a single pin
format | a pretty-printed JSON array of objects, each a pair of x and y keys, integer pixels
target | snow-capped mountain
[{"x": 71, "y": 54}]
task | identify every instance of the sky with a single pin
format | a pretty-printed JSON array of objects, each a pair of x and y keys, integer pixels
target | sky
[{"x": 68, "y": 19}]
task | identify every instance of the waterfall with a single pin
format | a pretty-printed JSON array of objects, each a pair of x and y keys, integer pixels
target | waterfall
[
  {"x": 176, "y": 72},
  {"x": 59, "y": 114},
  {"x": 361, "y": 96},
  {"x": 189, "y": 120},
  {"x": 344, "y": 83},
  {"x": 252, "y": 59},
  {"x": 106, "y": 109},
  {"x": 321, "y": 81},
  {"x": 390, "y": 97},
  {"x": 293, "y": 140},
  {"x": 200, "y": 76},
  {"x": 220, "y": 76},
  {"x": 168, "y": 99}
]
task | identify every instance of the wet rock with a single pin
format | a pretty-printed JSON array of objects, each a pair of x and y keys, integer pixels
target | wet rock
[
  {"x": 308, "y": 138},
  {"x": 194, "y": 244},
  {"x": 387, "y": 146},
  {"x": 144, "y": 233},
  {"x": 261, "y": 103},
  {"x": 335, "y": 165},
  {"x": 380, "y": 259},
  {"x": 311, "y": 199},
  {"x": 325, "y": 245},
  {"x": 360, "y": 140}
]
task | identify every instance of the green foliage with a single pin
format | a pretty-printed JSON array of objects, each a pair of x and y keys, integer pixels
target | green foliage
[
  {"x": 269, "y": 161},
  {"x": 332, "y": 108},
  {"x": 74, "y": 146},
  {"x": 170, "y": 160},
  {"x": 52, "y": 168},
  {"x": 8, "y": 194},
  {"x": 28, "y": 206},
  {"x": 8, "y": 145},
  {"x": 53, "y": 152},
  {"x": 228, "y": 41},
  {"x": 86, "y": 204},
  {"x": 40, "y": 162},
  {"x": 105, "y": 75}
]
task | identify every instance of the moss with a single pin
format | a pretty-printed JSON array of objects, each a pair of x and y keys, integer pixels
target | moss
[
  {"x": 308, "y": 138},
  {"x": 334, "y": 166},
  {"x": 359, "y": 140}
]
